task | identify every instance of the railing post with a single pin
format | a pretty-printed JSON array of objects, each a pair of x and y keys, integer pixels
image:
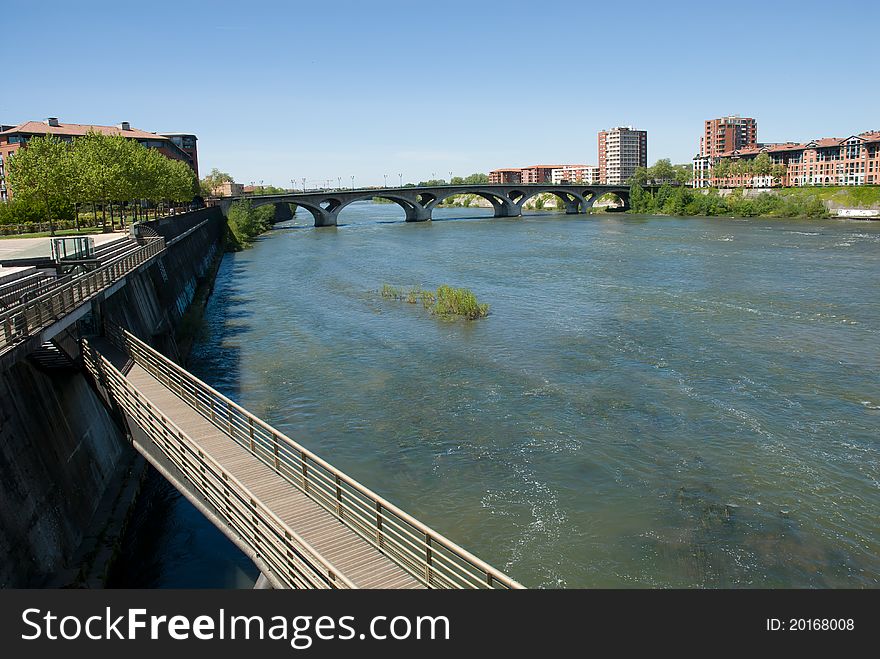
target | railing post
[
  {"x": 305, "y": 467},
  {"x": 428, "y": 558},
  {"x": 379, "y": 523},
  {"x": 251, "y": 432},
  {"x": 228, "y": 417},
  {"x": 338, "y": 497}
]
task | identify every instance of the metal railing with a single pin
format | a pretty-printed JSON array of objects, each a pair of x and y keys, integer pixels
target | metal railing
[
  {"x": 22, "y": 321},
  {"x": 429, "y": 557},
  {"x": 291, "y": 560}
]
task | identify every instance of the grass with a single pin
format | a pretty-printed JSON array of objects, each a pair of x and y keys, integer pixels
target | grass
[
  {"x": 447, "y": 302},
  {"x": 849, "y": 196},
  {"x": 61, "y": 232}
]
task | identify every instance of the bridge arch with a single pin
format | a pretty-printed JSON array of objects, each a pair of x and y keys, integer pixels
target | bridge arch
[
  {"x": 413, "y": 210},
  {"x": 622, "y": 196},
  {"x": 574, "y": 202},
  {"x": 501, "y": 205}
]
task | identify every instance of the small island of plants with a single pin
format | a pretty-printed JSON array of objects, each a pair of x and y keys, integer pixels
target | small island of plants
[{"x": 446, "y": 302}]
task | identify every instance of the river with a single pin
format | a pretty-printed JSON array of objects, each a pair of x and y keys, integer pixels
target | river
[{"x": 652, "y": 401}]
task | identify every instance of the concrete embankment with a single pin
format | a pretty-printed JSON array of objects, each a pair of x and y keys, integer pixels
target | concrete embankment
[{"x": 60, "y": 448}]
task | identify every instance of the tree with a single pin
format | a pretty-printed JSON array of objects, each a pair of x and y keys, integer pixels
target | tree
[
  {"x": 684, "y": 174},
  {"x": 721, "y": 169},
  {"x": 662, "y": 171},
  {"x": 213, "y": 181},
  {"x": 762, "y": 165},
  {"x": 41, "y": 172},
  {"x": 639, "y": 177}
]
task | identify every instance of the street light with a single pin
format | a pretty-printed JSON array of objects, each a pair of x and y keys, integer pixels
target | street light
[
  {"x": 385, "y": 176},
  {"x": 339, "y": 180},
  {"x": 401, "y": 180},
  {"x": 450, "y": 177},
  {"x": 352, "y": 181},
  {"x": 304, "y": 183}
]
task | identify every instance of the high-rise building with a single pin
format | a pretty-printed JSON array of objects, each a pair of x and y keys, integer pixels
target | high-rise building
[
  {"x": 727, "y": 134},
  {"x": 621, "y": 150}
]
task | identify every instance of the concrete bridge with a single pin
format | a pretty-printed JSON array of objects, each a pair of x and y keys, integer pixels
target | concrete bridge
[{"x": 419, "y": 202}]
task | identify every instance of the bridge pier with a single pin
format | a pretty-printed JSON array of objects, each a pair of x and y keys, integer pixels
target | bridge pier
[
  {"x": 572, "y": 206},
  {"x": 417, "y": 213}
]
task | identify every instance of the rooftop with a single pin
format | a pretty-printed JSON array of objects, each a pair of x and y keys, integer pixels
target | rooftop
[{"x": 57, "y": 128}]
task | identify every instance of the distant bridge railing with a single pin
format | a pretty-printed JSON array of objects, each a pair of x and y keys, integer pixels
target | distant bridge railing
[
  {"x": 434, "y": 560},
  {"x": 24, "y": 320}
]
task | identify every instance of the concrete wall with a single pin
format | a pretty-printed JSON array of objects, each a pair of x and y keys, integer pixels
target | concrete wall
[{"x": 59, "y": 447}]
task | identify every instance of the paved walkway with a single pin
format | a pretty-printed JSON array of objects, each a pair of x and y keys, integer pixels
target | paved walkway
[{"x": 29, "y": 248}]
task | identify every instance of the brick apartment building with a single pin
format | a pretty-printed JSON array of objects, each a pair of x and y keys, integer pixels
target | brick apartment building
[
  {"x": 545, "y": 174},
  {"x": 621, "y": 150},
  {"x": 727, "y": 134},
  {"x": 507, "y": 176},
  {"x": 587, "y": 174},
  {"x": 853, "y": 160},
  {"x": 177, "y": 146}
]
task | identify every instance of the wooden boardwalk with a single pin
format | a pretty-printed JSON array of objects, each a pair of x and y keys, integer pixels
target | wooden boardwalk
[{"x": 356, "y": 559}]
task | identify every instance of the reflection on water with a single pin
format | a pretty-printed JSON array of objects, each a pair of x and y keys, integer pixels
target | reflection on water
[{"x": 652, "y": 401}]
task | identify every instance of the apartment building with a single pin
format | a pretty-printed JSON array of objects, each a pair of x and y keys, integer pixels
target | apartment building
[
  {"x": 587, "y": 174},
  {"x": 727, "y": 134},
  {"x": 853, "y": 160},
  {"x": 621, "y": 150}
]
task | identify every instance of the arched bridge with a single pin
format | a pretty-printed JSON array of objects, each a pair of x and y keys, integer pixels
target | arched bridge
[{"x": 419, "y": 202}]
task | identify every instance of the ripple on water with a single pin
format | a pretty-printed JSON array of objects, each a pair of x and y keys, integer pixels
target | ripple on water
[{"x": 651, "y": 402}]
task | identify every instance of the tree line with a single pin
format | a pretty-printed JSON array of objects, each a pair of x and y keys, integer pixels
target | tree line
[
  {"x": 669, "y": 200},
  {"x": 761, "y": 165},
  {"x": 101, "y": 171}
]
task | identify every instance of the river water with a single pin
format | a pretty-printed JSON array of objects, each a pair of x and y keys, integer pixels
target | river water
[{"x": 653, "y": 401}]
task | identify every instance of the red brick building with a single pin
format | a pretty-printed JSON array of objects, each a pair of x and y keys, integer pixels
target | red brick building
[
  {"x": 506, "y": 176},
  {"x": 853, "y": 160},
  {"x": 525, "y": 175},
  {"x": 727, "y": 134},
  {"x": 177, "y": 146}
]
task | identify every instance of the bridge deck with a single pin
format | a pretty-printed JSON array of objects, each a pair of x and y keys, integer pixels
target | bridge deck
[{"x": 358, "y": 560}]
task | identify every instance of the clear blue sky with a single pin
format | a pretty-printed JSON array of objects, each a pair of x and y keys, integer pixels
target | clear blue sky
[{"x": 327, "y": 89}]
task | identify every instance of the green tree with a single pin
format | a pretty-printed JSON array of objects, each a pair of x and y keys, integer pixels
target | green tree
[
  {"x": 639, "y": 177},
  {"x": 762, "y": 165},
  {"x": 662, "y": 171},
  {"x": 41, "y": 172},
  {"x": 214, "y": 180}
]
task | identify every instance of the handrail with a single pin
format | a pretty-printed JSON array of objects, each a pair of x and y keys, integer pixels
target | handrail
[
  {"x": 216, "y": 484},
  {"x": 22, "y": 321},
  {"x": 431, "y": 558}
]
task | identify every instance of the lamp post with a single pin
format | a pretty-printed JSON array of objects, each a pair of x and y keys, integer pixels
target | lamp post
[
  {"x": 352, "y": 181},
  {"x": 450, "y": 177},
  {"x": 339, "y": 180},
  {"x": 385, "y": 176},
  {"x": 304, "y": 183},
  {"x": 401, "y": 180},
  {"x": 292, "y": 187}
]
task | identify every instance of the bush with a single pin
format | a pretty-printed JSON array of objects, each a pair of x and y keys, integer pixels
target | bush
[
  {"x": 446, "y": 303},
  {"x": 246, "y": 222}
]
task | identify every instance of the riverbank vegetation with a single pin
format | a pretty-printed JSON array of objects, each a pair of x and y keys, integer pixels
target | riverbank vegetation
[
  {"x": 670, "y": 200},
  {"x": 246, "y": 223},
  {"x": 55, "y": 178},
  {"x": 446, "y": 302},
  {"x": 852, "y": 196}
]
